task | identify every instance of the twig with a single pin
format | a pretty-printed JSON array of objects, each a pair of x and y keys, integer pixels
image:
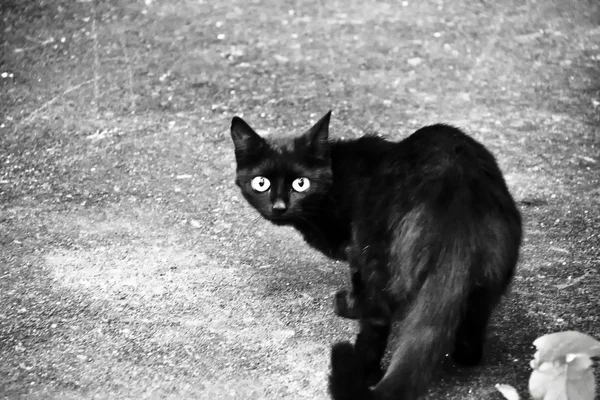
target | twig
[
  {"x": 96, "y": 59},
  {"x": 52, "y": 100},
  {"x": 572, "y": 282},
  {"x": 494, "y": 38},
  {"x": 40, "y": 42},
  {"x": 36, "y": 41},
  {"x": 129, "y": 71}
]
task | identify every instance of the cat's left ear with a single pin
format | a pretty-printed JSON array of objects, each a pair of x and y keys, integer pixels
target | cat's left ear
[{"x": 318, "y": 136}]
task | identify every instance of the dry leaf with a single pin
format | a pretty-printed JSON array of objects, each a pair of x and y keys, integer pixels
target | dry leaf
[
  {"x": 509, "y": 392},
  {"x": 413, "y": 62},
  {"x": 281, "y": 59},
  {"x": 557, "y": 345},
  {"x": 562, "y": 367},
  {"x": 549, "y": 382}
]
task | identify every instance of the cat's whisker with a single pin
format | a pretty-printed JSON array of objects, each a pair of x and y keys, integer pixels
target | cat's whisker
[
  {"x": 244, "y": 228},
  {"x": 252, "y": 223}
]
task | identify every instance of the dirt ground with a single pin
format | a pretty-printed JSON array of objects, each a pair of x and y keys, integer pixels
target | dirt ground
[{"x": 131, "y": 267}]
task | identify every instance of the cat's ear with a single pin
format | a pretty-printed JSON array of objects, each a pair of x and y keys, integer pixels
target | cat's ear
[
  {"x": 244, "y": 138},
  {"x": 318, "y": 137}
]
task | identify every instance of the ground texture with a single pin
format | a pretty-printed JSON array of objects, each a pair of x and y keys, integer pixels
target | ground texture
[{"x": 131, "y": 267}]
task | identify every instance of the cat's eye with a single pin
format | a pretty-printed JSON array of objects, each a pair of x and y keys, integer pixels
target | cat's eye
[
  {"x": 300, "y": 184},
  {"x": 260, "y": 184}
]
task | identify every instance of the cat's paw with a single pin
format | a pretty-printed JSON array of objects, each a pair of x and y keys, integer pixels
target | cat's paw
[{"x": 344, "y": 305}]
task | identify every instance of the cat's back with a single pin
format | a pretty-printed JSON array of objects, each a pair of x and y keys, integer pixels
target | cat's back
[
  {"x": 444, "y": 167},
  {"x": 362, "y": 156},
  {"x": 444, "y": 149},
  {"x": 435, "y": 150}
]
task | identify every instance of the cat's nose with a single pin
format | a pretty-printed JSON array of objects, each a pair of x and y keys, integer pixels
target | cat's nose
[{"x": 279, "y": 206}]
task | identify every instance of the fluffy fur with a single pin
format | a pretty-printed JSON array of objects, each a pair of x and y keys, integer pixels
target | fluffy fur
[{"x": 427, "y": 225}]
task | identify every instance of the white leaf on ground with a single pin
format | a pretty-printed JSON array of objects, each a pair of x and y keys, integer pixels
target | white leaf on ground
[
  {"x": 281, "y": 59},
  {"x": 563, "y": 381},
  {"x": 413, "y": 62},
  {"x": 557, "y": 345},
  {"x": 509, "y": 392},
  {"x": 578, "y": 362},
  {"x": 549, "y": 382},
  {"x": 562, "y": 367},
  {"x": 581, "y": 385}
]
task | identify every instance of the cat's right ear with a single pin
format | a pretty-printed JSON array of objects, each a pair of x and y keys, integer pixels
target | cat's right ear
[{"x": 245, "y": 140}]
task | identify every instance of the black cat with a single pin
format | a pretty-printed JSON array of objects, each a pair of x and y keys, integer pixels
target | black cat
[{"x": 427, "y": 225}]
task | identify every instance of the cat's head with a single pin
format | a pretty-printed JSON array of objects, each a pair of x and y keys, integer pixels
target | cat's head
[{"x": 283, "y": 178}]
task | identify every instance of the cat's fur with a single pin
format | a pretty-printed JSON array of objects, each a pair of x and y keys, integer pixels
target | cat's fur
[{"x": 427, "y": 225}]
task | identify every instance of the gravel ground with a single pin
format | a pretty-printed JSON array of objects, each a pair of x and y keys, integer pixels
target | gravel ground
[{"x": 131, "y": 267}]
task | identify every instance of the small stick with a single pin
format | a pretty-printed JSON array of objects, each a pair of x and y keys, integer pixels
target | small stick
[
  {"x": 96, "y": 59},
  {"x": 52, "y": 100},
  {"x": 129, "y": 71}
]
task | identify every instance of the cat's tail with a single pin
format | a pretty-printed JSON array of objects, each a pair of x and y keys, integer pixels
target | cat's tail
[{"x": 427, "y": 332}]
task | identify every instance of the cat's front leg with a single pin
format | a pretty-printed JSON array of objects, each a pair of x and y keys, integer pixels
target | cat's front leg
[
  {"x": 375, "y": 322},
  {"x": 345, "y": 303}
]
